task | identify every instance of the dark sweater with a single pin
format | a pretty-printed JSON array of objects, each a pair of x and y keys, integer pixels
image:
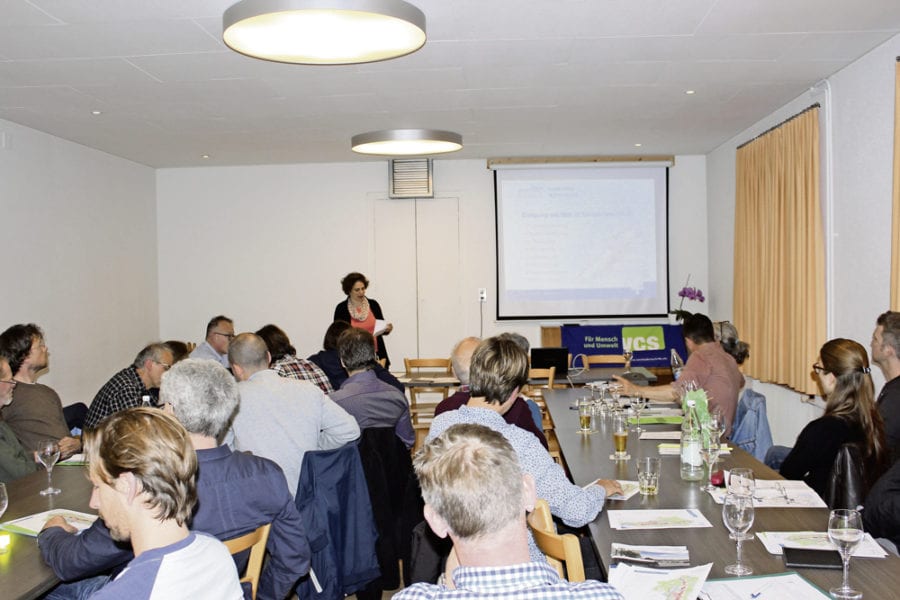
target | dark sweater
[{"x": 812, "y": 457}]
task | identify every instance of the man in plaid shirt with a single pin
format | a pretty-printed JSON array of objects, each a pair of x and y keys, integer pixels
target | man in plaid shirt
[
  {"x": 285, "y": 361},
  {"x": 127, "y": 387},
  {"x": 475, "y": 492}
]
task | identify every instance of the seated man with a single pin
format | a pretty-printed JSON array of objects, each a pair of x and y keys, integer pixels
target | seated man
[
  {"x": 281, "y": 418},
  {"x": 144, "y": 470},
  {"x": 14, "y": 461},
  {"x": 330, "y": 362},
  {"x": 236, "y": 492},
  {"x": 219, "y": 333},
  {"x": 127, "y": 387},
  {"x": 886, "y": 354},
  {"x": 708, "y": 365},
  {"x": 881, "y": 516},
  {"x": 499, "y": 368},
  {"x": 285, "y": 361},
  {"x": 475, "y": 492},
  {"x": 519, "y": 414},
  {"x": 372, "y": 402},
  {"x": 36, "y": 412}
]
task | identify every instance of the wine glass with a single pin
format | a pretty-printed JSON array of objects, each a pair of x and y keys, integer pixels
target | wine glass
[
  {"x": 716, "y": 424},
  {"x": 845, "y": 531},
  {"x": 48, "y": 454},
  {"x": 737, "y": 514},
  {"x": 4, "y": 499},
  {"x": 741, "y": 482},
  {"x": 709, "y": 452},
  {"x": 638, "y": 405},
  {"x": 627, "y": 354}
]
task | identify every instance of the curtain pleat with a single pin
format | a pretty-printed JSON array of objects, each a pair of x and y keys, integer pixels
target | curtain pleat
[{"x": 779, "y": 253}]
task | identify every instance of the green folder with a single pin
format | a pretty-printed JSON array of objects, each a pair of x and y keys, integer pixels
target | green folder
[{"x": 672, "y": 420}]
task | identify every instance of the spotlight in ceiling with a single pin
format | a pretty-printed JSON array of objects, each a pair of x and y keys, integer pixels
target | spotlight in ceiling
[
  {"x": 406, "y": 142},
  {"x": 324, "y": 32}
]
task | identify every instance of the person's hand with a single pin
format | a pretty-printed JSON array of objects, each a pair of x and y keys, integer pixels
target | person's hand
[
  {"x": 58, "y": 521},
  {"x": 68, "y": 446},
  {"x": 610, "y": 485},
  {"x": 388, "y": 328},
  {"x": 628, "y": 388}
]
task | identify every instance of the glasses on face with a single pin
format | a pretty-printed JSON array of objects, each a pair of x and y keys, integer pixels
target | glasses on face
[
  {"x": 819, "y": 369},
  {"x": 11, "y": 382},
  {"x": 165, "y": 366},
  {"x": 230, "y": 336}
]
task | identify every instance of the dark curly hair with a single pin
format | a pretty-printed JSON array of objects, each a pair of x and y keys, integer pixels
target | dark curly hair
[
  {"x": 15, "y": 344},
  {"x": 350, "y": 280}
]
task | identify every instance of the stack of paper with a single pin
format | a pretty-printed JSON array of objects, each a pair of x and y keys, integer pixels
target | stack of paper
[
  {"x": 651, "y": 556},
  {"x": 675, "y": 518},
  {"x": 32, "y": 524},
  {"x": 640, "y": 583},
  {"x": 74, "y": 460},
  {"x": 783, "y": 585},
  {"x": 675, "y": 450},
  {"x": 774, "y": 541},
  {"x": 781, "y": 493}
]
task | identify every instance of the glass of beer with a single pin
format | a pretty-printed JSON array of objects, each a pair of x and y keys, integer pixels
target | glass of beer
[
  {"x": 585, "y": 414},
  {"x": 648, "y": 475},
  {"x": 620, "y": 435}
]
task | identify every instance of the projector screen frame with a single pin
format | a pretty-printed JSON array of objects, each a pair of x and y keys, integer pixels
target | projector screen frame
[{"x": 595, "y": 162}]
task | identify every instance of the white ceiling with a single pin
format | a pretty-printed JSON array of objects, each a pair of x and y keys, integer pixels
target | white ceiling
[{"x": 514, "y": 77}]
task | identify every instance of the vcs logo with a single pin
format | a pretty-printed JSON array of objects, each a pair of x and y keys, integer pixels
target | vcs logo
[{"x": 638, "y": 339}]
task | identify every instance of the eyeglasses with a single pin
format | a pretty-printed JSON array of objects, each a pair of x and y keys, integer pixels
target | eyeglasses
[
  {"x": 165, "y": 366},
  {"x": 819, "y": 369},
  {"x": 230, "y": 336},
  {"x": 11, "y": 382}
]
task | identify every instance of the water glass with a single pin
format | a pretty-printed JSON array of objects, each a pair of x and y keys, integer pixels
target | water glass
[
  {"x": 48, "y": 454},
  {"x": 620, "y": 436},
  {"x": 741, "y": 482},
  {"x": 648, "y": 475},
  {"x": 737, "y": 514},
  {"x": 845, "y": 531}
]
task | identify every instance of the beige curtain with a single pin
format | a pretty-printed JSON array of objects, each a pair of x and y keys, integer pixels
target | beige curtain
[
  {"x": 895, "y": 238},
  {"x": 779, "y": 256}
]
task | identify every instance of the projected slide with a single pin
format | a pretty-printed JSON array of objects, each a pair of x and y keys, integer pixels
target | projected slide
[{"x": 580, "y": 242}]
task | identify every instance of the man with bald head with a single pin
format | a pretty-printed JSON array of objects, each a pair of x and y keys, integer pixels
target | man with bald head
[
  {"x": 279, "y": 418},
  {"x": 460, "y": 359}
]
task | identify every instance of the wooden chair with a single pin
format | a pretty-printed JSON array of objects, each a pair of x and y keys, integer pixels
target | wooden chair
[
  {"x": 561, "y": 550},
  {"x": 256, "y": 541},
  {"x": 190, "y": 346},
  {"x": 536, "y": 390},
  {"x": 439, "y": 366}
]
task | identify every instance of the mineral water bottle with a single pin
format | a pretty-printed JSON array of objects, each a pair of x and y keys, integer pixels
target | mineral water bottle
[
  {"x": 691, "y": 462},
  {"x": 677, "y": 364},
  {"x": 145, "y": 401}
]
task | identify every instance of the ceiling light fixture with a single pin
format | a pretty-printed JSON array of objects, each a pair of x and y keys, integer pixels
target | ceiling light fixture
[
  {"x": 324, "y": 32},
  {"x": 689, "y": 92},
  {"x": 637, "y": 145},
  {"x": 406, "y": 142},
  {"x": 96, "y": 112}
]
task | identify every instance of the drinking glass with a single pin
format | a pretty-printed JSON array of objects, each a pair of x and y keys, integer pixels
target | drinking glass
[
  {"x": 741, "y": 482},
  {"x": 709, "y": 452},
  {"x": 48, "y": 454},
  {"x": 648, "y": 475},
  {"x": 638, "y": 405},
  {"x": 585, "y": 414},
  {"x": 716, "y": 423},
  {"x": 737, "y": 514},
  {"x": 627, "y": 355},
  {"x": 620, "y": 436},
  {"x": 615, "y": 392},
  {"x": 845, "y": 531}
]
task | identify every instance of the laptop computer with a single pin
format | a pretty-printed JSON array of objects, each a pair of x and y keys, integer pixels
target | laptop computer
[{"x": 544, "y": 358}]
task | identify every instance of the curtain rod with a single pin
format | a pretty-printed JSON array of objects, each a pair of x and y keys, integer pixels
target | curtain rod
[{"x": 774, "y": 127}]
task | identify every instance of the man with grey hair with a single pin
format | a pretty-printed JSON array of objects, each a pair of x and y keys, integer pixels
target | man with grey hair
[
  {"x": 237, "y": 492},
  {"x": 519, "y": 414},
  {"x": 219, "y": 333},
  {"x": 372, "y": 402},
  {"x": 886, "y": 354},
  {"x": 476, "y": 493},
  {"x": 128, "y": 387},
  {"x": 279, "y": 418}
]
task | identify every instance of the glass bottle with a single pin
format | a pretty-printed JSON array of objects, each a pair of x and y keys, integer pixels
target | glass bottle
[
  {"x": 677, "y": 364},
  {"x": 691, "y": 462}
]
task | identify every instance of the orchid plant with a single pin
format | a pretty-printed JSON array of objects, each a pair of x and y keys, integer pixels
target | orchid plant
[{"x": 689, "y": 293}]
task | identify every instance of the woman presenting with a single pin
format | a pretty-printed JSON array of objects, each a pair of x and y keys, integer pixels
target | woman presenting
[{"x": 362, "y": 312}]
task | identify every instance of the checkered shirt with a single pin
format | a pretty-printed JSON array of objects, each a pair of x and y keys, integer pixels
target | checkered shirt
[
  {"x": 300, "y": 368},
  {"x": 527, "y": 581},
  {"x": 123, "y": 391}
]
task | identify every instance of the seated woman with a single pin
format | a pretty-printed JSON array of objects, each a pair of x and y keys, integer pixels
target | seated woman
[
  {"x": 850, "y": 417},
  {"x": 329, "y": 361}
]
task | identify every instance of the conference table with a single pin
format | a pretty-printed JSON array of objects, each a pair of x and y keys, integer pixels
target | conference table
[
  {"x": 23, "y": 573},
  {"x": 587, "y": 457}
]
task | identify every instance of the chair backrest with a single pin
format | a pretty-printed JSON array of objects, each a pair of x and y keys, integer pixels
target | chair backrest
[
  {"x": 561, "y": 549},
  {"x": 846, "y": 485},
  {"x": 426, "y": 363},
  {"x": 603, "y": 359},
  {"x": 256, "y": 541},
  {"x": 548, "y": 374}
]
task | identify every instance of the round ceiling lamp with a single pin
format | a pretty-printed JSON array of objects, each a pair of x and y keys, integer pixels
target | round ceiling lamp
[
  {"x": 323, "y": 32},
  {"x": 406, "y": 142}
]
